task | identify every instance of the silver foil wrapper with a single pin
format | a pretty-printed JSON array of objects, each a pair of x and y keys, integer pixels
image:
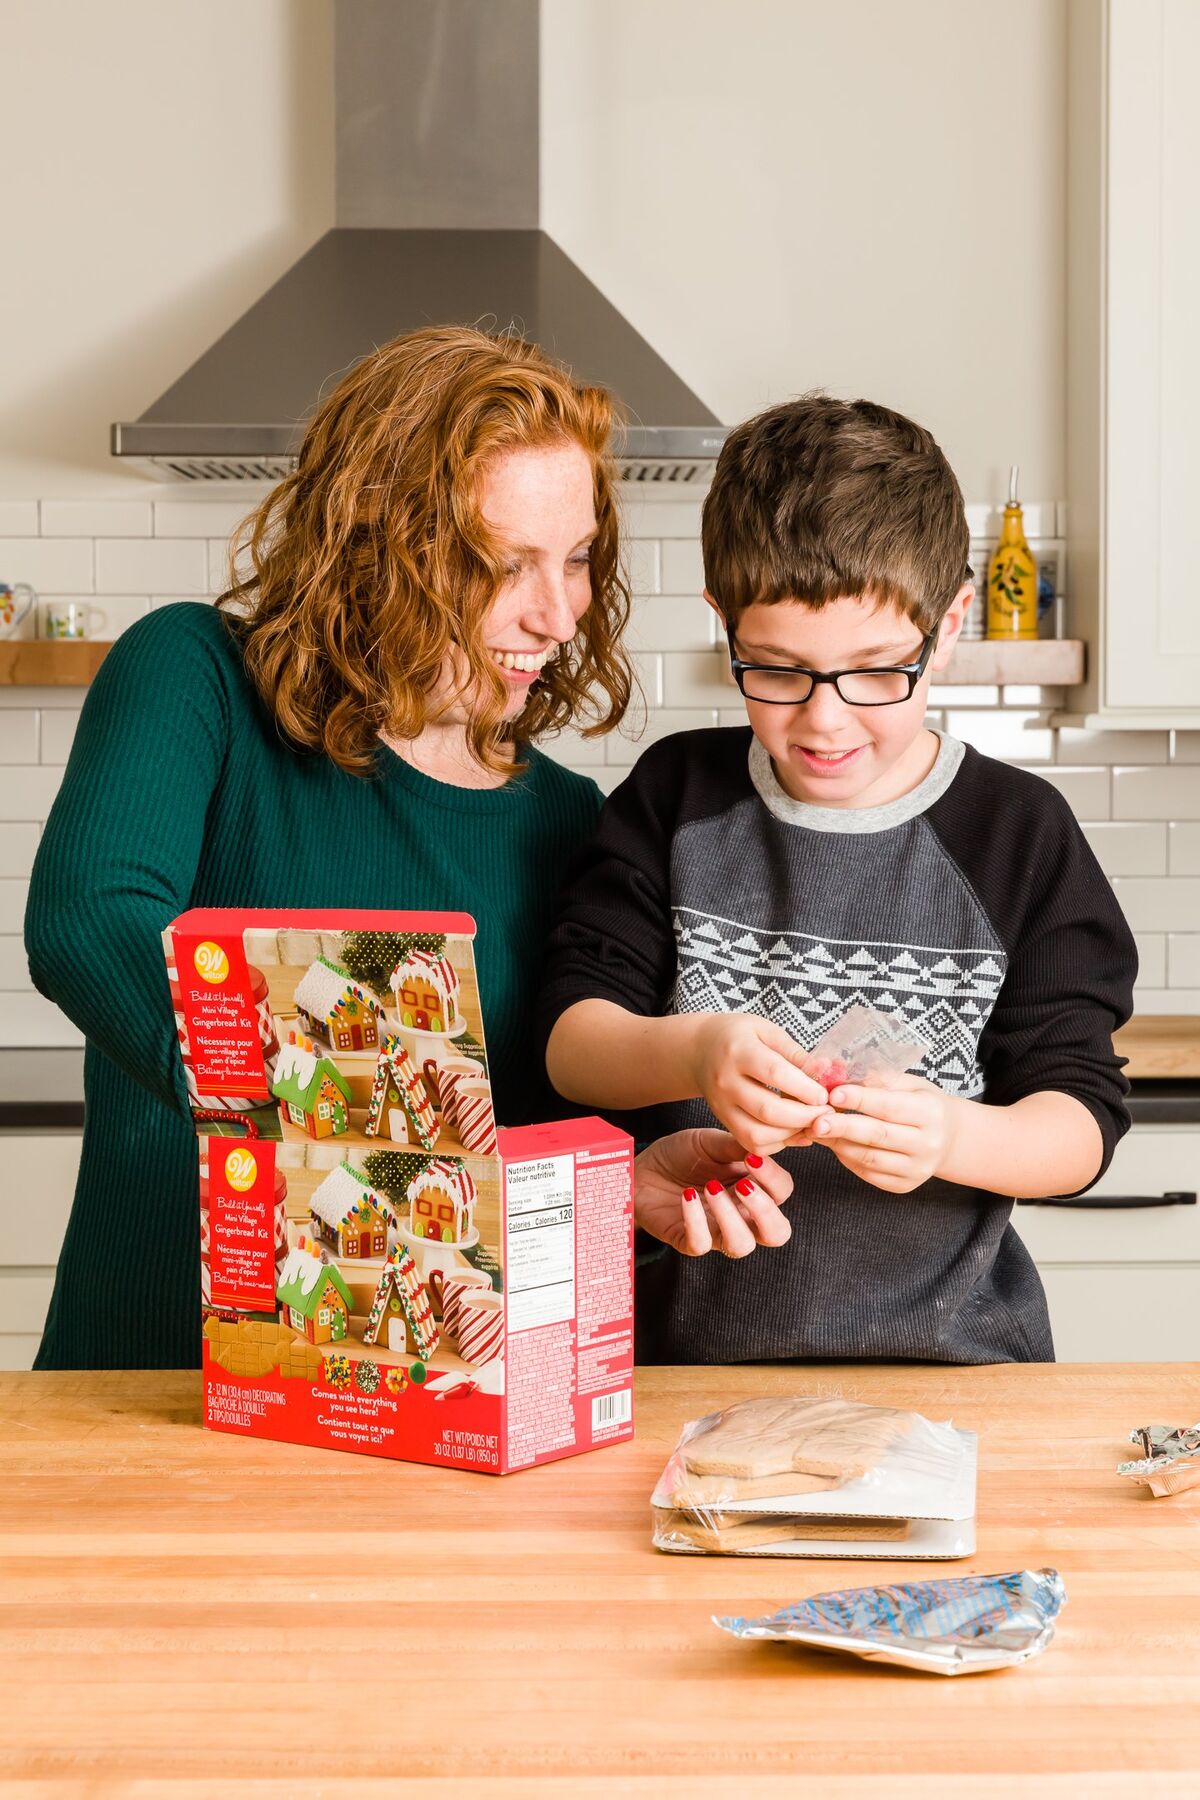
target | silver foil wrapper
[
  {"x": 955, "y": 1627},
  {"x": 1170, "y": 1459}
]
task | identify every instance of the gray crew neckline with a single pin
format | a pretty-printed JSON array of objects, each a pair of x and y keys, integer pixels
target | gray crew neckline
[{"x": 857, "y": 818}]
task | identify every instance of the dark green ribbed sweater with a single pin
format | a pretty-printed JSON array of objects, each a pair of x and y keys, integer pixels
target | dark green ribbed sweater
[{"x": 180, "y": 792}]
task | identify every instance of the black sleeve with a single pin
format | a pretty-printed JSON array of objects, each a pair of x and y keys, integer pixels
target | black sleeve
[
  {"x": 1071, "y": 957},
  {"x": 613, "y": 939}
]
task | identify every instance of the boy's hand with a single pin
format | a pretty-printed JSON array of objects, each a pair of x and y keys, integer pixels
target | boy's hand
[
  {"x": 752, "y": 1075},
  {"x": 705, "y": 1164},
  {"x": 896, "y": 1132}
]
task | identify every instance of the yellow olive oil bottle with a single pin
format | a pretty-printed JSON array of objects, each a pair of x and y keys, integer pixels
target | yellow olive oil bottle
[{"x": 1012, "y": 590}]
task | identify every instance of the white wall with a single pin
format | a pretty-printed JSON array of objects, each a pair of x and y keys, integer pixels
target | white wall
[
  {"x": 863, "y": 195},
  {"x": 164, "y": 163}
]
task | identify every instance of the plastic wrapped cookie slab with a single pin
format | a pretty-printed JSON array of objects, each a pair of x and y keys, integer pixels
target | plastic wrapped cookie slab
[
  {"x": 864, "y": 1042},
  {"x": 956, "y": 1627},
  {"x": 817, "y": 1476}
]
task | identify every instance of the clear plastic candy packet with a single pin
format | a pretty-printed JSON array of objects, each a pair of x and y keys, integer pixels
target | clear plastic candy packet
[
  {"x": 862, "y": 1043},
  {"x": 960, "y": 1626},
  {"x": 1170, "y": 1459}
]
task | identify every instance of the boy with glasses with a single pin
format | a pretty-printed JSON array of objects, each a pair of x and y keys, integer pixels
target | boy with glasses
[{"x": 745, "y": 888}]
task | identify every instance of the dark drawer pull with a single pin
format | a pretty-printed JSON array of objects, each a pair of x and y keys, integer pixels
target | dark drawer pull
[{"x": 1117, "y": 1202}]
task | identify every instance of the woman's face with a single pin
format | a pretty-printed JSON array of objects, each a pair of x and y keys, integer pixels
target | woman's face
[{"x": 538, "y": 506}]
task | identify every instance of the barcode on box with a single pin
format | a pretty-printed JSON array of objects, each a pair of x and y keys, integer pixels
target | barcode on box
[{"x": 611, "y": 1409}]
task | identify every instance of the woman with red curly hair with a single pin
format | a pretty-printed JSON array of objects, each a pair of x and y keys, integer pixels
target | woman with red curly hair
[{"x": 353, "y": 726}]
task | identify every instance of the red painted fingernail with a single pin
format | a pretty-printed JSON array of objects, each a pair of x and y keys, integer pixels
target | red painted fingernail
[
  {"x": 744, "y": 1188},
  {"x": 713, "y": 1187},
  {"x": 690, "y": 1194},
  {"x": 753, "y": 1160}
]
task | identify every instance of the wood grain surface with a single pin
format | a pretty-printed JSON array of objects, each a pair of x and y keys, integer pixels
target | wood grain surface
[
  {"x": 1161, "y": 1046},
  {"x": 191, "y": 1614}
]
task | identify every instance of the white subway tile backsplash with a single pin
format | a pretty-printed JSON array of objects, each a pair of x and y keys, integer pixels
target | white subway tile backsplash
[
  {"x": 151, "y": 565},
  {"x": 671, "y": 622},
  {"x": 1012, "y": 736},
  {"x": 645, "y": 517},
  {"x": 18, "y": 737},
  {"x": 14, "y": 967},
  {"x": 200, "y": 518},
  {"x": 1183, "y": 848},
  {"x": 1183, "y": 958},
  {"x": 1167, "y": 793},
  {"x": 218, "y": 565},
  {"x": 1157, "y": 903},
  {"x": 608, "y": 778},
  {"x": 28, "y": 792},
  {"x": 1166, "y": 1000},
  {"x": 18, "y": 847},
  {"x": 648, "y": 667},
  {"x": 58, "y": 732},
  {"x": 643, "y": 567},
  {"x": 29, "y": 1021},
  {"x": 698, "y": 678},
  {"x": 1152, "y": 958},
  {"x": 13, "y": 895},
  {"x": 623, "y": 749},
  {"x": 51, "y": 565},
  {"x": 1075, "y": 746},
  {"x": 1123, "y": 849},
  {"x": 574, "y": 751},
  {"x": 1086, "y": 791},
  {"x": 682, "y": 567},
  {"x": 1185, "y": 747},
  {"x": 18, "y": 518},
  {"x": 95, "y": 518}
]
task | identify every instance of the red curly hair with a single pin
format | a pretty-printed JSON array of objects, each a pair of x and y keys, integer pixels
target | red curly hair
[{"x": 371, "y": 562}]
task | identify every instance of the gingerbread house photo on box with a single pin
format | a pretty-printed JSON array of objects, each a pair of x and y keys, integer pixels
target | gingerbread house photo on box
[{"x": 353, "y": 1217}]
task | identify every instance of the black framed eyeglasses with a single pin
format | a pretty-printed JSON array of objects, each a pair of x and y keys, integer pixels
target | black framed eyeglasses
[{"x": 777, "y": 684}]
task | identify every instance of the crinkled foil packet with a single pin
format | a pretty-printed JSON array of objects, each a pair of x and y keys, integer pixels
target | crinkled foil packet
[
  {"x": 1170, "y": 1459},
  {"x": 956, "y": 1627}
]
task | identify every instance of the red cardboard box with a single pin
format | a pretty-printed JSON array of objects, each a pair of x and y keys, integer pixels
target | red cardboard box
[{"x": 382, "y": 1269}]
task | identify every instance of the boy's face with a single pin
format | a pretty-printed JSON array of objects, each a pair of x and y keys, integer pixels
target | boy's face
[{"x": 825, "y": 751}]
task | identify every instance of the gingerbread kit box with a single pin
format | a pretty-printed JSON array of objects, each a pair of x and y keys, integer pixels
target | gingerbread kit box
[{"x": 382, "y": 1268}]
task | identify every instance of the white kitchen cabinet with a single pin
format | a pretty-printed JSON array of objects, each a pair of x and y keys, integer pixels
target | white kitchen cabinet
[
  {"x": 1133, "y": 356},
  {"x": 45, "y": 1165},
  {"x": 1123, "y": 1283}
]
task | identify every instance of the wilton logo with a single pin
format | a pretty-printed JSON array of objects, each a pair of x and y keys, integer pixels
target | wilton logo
[
  {"x": 241, "y": 1171},
  {"x": 212, "y": 964}
]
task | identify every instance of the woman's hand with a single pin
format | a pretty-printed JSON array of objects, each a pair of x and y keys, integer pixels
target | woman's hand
[
  {"x": 735, "y": 1200},
  {"x": 752, "y": 1075},
  {"x": 896, "y": 1132}
]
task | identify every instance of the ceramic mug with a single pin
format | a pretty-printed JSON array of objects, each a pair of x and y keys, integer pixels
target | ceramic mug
[
  {"x": 70, "y": 619},
  {"x": 15, "y": 602}
]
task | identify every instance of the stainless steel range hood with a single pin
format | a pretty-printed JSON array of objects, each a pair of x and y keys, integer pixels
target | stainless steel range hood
[{"x": 436, "y": 224}]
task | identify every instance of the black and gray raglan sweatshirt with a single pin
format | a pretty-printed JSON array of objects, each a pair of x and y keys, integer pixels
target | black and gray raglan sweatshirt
[{"x": 973, "y": 906}]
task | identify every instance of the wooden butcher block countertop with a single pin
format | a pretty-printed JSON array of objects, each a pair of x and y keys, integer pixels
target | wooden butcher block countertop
[
  {"x": 1161, "y": 1047},
  {"x": 186, "y": 1613}
]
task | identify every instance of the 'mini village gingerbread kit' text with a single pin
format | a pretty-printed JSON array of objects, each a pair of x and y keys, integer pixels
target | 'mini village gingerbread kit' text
[{"x": 382, "y": 1268}]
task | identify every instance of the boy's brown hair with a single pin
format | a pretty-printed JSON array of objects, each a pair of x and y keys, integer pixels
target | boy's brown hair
[{"x": 819, "y": 498}]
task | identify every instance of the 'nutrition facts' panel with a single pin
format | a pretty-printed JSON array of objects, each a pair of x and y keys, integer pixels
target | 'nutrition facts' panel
[{"x": 539, "y": 1256}]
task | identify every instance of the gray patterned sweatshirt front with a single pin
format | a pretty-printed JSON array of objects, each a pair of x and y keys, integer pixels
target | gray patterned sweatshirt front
[{"x": 972, "y": 906}]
